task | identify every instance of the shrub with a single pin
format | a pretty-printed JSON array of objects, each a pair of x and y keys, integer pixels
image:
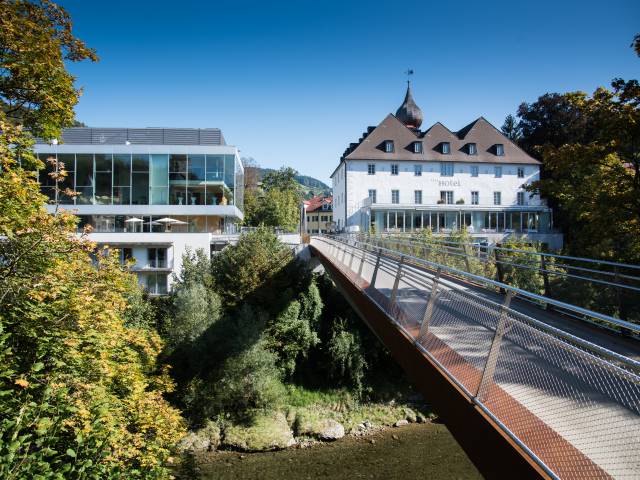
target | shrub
[
  {"x": 250, "y": 270},
  {"x": 81, "y": 393},
  {"x": 195, "y": 309},
  {"x": 347, "y": 361}
]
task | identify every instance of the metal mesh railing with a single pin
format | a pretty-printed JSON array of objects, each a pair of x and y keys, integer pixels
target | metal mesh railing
[
  {"x": 610, "y": 288},
  {"x": 572, "y": 405}
]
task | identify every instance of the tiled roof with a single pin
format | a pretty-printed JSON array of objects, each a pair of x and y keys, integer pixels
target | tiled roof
[
  {"x": 316, "y": 203},
  {"x": 480, "y": 132}
]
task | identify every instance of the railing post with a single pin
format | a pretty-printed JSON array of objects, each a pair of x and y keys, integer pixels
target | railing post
[
  {"x": 545, "y": 278},
  {"x": 396, "y": 283},
  {"x": 364, "y": 255},
  {"x": 499, "y": 271},
  {"x": 375, "y": 269},
  {"x": 466, "y": 257},
  {"x": 428, "y": 313},
  {"x": 621, "y": 307},
  {"x": 494, "y": 351}
]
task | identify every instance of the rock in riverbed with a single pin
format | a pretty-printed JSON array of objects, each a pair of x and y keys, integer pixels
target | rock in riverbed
[
  {"x": 266, "y": 432},
  {"x": 205, "y": 439}
]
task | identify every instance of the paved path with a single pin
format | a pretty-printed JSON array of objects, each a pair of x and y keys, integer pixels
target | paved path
[{"x": 571, "y": 405}]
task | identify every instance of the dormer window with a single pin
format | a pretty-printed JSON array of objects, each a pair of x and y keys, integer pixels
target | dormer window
[
  {"x": 446, "y": 148},
  {"x": 500, "y": 149},
  {"x": 472, "y": 149},
  {"x": 388, "y": 146},
  {"x": 417, "y": 147}
]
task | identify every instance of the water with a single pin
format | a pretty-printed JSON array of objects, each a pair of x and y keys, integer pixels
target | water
[{"x": 420, "y": 451}]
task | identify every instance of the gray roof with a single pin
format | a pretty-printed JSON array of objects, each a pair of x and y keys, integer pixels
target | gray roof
[
  {"x": 141, "y": 136},
  {"x": 480, "y": 132}
]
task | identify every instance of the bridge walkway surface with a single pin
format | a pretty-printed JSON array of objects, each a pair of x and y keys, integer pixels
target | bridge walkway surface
[{"x": 565, "y": 392}]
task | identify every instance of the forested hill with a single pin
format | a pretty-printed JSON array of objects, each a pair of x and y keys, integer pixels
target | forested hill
[{"x": 309, "y": 185}]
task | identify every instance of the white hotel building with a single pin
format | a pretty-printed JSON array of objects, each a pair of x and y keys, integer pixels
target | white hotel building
[
  {"x": 150, "y": 192},
  {"x": 397, "y": 178}
]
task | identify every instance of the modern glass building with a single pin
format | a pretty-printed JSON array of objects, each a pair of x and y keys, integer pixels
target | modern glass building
[{"x": 150, "y": 191}]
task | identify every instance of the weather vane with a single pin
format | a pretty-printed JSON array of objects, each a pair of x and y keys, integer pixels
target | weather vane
[{"x": 408, "y": 73}]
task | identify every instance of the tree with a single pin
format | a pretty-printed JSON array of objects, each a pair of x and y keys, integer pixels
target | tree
[
  {"x": 251, "y": 270},
  {"x": 554, "y": 119},
  {"x": 36, "y": 91},
  {"x": 636, "y": 44},
  {"x": 593, "y": 175},
  {"x": 510, "y": 128},
  {"x": 282, "y": 179}
]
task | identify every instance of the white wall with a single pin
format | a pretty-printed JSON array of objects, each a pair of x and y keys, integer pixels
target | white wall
[
  {"x": 431, "y": 183},
  {"x": 339, "y": 195}
]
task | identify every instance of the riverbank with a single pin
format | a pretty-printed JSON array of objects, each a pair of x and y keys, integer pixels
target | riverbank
[{"x": 417, "y": 450}]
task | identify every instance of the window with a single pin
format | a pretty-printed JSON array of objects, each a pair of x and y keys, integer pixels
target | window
[
  {"x": 474, "y": 170},
  {"x": 472, "y": 149},
  {"x": 371, "y": 169},
  {"x": 446, "y": 169},
  {"x": 417, "y": 170},
  {"x": 475, "y": 198},
  {"x": 500, "y": 149},
  {"x": 520, "y": 198},
  {"x": 372, "y": 196},
  {"x": 395, "y": 196},
  {"x": 388, "y": 146},
  {"x": 497, "y": 198},
  {"x": 417, "y": 197},
  {"x": 156, "y": 257},
  {"x": 394, "y": 169},
  {"x": 446, "y": 197},
  {"x": 446, "y": 148},
  {"x": 520, "y": 172},
  {"x": 497, "y": 171},
  {"x": 417, "y": 147}
]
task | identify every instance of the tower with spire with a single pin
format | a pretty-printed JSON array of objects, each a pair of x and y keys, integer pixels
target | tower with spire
[{"x": 409, "y": 113}]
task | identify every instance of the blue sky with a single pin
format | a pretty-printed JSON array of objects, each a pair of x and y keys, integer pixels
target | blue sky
[{"x": 293, "y": 82}]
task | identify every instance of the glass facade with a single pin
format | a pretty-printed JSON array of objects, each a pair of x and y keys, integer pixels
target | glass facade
[
  {"x": 147, "y": 179},
  {"x": 444, "y": 221},
  {"x": 144, "y": 224}
]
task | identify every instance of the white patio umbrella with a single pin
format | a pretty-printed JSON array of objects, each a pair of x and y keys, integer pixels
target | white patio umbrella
[
  {"x": 134, "y": 221},
  {"x": 167, "y": 220}
]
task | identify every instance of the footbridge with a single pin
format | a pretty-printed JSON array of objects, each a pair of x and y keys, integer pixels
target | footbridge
[{"x": 530, "y": 386}]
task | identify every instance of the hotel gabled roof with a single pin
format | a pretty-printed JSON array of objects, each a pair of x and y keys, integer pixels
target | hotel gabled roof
[{"x": 480, "y": 132}]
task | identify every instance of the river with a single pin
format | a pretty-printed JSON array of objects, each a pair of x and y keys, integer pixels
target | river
[{"x": 414, "y": 451}]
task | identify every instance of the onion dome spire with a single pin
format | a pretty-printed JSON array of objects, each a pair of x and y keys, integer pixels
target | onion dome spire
[{"x": 409, "y": 113}]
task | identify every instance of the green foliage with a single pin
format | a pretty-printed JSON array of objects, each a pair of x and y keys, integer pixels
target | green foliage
[
  {"x": 251, "y": 269},
  {"x": 291, "y": 334},
  {"x": 196, "y": 268},
  {"x": 82, "y": 391},
  {"x": 529, "y": 279},
  {"x": 36, "y": 91},
  {"x": 590, "y": 152},
  {"x": 195, "y": 309},
  {"x": 277, "y": 204},
  {"x": 347, "y": 359},
  {"x": 247, "y": 381}
]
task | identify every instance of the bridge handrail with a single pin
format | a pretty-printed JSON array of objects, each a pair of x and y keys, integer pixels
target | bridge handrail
[
  {"x": 523, "y": 293},
  {"x": 460, "y": 251},
  {"x": 542, "y": 254}
]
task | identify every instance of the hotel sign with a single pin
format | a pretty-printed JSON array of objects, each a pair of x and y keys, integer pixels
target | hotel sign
[{"x": 448, "y": 183}]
